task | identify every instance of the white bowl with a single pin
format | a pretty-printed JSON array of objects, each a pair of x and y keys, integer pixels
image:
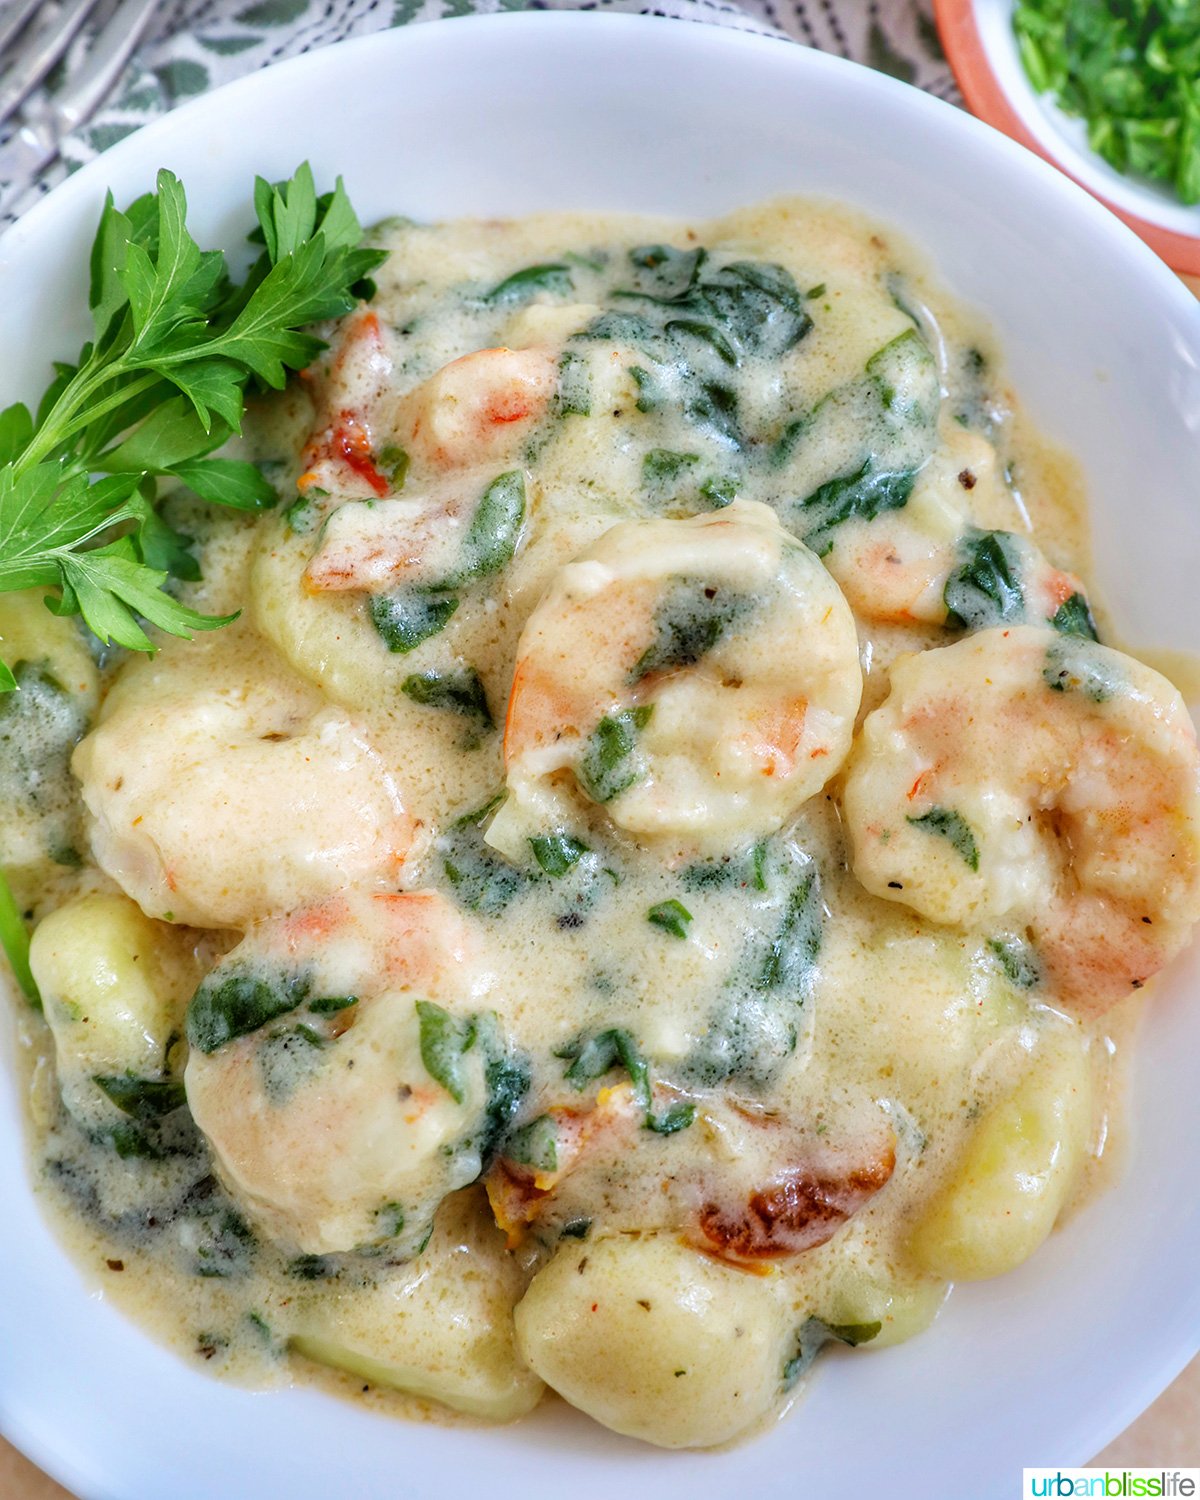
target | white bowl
[{"x": 508, "y": 114}]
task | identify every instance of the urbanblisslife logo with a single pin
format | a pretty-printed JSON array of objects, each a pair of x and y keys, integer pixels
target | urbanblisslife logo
[{"x": 1113, "y": 1484}]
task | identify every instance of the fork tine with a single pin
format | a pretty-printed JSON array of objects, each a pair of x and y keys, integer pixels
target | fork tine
[
  {"x": 13, "y": 18},
  {"x": 40, "y": 53},
  {"x": 83, "y": 93},
  {"x": 35, "y": 144}
]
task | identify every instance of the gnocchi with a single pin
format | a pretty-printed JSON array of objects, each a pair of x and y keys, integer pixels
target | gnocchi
[{"x": 574, "y": 931}]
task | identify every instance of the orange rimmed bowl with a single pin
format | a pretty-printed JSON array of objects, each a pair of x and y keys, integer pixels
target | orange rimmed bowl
[{"x": 982, "y": 51}]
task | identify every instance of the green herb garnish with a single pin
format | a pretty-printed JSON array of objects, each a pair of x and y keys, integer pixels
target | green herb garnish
[
  {"x": 1131, "y": 70},
  {"x": 160, "y": 386}
]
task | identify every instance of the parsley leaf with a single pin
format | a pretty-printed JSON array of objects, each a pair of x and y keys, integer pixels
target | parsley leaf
[
  {"x": 1130, "y": 69},
  {"x": 161, "y": 386}
]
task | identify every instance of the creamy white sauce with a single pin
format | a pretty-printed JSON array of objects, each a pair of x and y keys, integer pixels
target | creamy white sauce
[{"x": 875, "y": 1049}]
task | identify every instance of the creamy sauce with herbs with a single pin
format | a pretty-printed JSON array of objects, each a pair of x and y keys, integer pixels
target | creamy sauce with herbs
[{"x": 681, "y": 1046}]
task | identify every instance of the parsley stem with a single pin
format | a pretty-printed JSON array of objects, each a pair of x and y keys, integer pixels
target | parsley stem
[
  {"x": 63, "y": 419},
  {"x": 14, "y": 938}
]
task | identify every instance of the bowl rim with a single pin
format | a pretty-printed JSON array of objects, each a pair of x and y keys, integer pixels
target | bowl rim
[{"x": 972, "y": 67}]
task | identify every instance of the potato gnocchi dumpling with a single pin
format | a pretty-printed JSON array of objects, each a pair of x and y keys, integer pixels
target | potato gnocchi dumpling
[
  {"x": 656, "y": 1340},
  {"x": 440, "y": 1329},
  {"x": 648, "y": 893}
]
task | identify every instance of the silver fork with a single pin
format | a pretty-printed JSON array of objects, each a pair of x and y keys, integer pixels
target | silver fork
[{"x": 49, "y": 116}]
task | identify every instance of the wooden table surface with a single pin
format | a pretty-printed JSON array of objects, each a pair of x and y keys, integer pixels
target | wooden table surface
[{"x": 1167, "y": 1435}]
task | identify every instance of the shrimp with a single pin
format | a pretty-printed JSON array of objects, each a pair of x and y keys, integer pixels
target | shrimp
[
  {"x": 753, "y": 1188},
  {"x": 1041, "y": 784},
  {"x": 699, "y": 678},
  {"x": 928, "y": 564},
  {"x": 340, "y": 455},
  {"x": 222, "y": 806},
  {"x": 455, "y": 530},
  {"x": 478, "y": 409},
  {"x": 360, "y": 1101}
]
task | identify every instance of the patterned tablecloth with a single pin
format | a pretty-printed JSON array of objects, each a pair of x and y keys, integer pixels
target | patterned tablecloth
[{"x": 196, "y": 45}]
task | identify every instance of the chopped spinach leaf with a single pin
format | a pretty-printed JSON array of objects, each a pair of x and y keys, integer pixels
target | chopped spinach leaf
[
  {"x": 1076, "y": 665},
  {"x": 622, "y": 328},
  {"x": 574, "y": 397},
  {"x": 406, "y": 619},
  {"x": 389, "y": 1220},
  {"x": 234, "y": 1001},
  {"x": 493, "y": 534},
  {"x": 860, "y": 496},
  {"x": 506, "y": 1077},
  {"x": 444, "y": 1041},
  {"x": 661, "y": 273},
  {"x": 483, "y": 880},
  {"x": 758, "y": 305},
  {"x": 706, "y": 333},
  {"x": 535, "y": 1145},
  {"x": 479, "y": 815},
  {"x": 714, "y": 405},
  {"x": 395, "y": 462},
  {"x": 650, "y": 393},
  {"x": 718, "y": 874},
  {"x": 146, "y": 1099},
  {"x": 720, "y": 490},
  {"x": 1074, "y": 617},
  {"x": 594, "y": 1054},
  {"x": 459, "y": 691},
  {"x": 749, "y": 1038},
  {"x": 952, "y": 826},
  {"x": 521, "y": 286},
  {"x": 302, "y": 515},
  {"x": 556, "y": 853},
  {"x": 329, "y": 1005},
  {"x": 610, "y": 763},
  {"x": 675, "y": 1117},
  {"x": 311, "y": 1267},
  {"x": 985, "y": 589},
  {"x": 661, "y": 466},
  {"x": 220, "y": 1242},
  {"x": 892, "y": 367},
  {"x": 671, "y": 916},
  {"x": 813, "y": 1337},
  {"x": 286, "y": 1059},
  {"x": 1018, "y": 960},
  {"x": 792, "y": 953},
  {"x": 688, "y": 622}
]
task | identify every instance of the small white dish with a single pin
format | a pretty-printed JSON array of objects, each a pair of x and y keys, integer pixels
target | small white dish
[
  {"x": 981, "y": 48},
  {"x": 510, "y": 114}
]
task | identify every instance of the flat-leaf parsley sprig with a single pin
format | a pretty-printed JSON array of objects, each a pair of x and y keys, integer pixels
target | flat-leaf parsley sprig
[{"x": 162, "y": 385}]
